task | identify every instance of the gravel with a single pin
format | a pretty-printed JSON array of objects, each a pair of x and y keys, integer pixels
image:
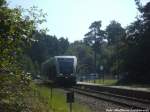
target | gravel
[{"x": 97, "y": 105}]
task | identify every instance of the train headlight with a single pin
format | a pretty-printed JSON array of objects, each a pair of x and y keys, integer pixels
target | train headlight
[
  {"x": 60, "y": 74},
  {"x": 66, "y": 77}
]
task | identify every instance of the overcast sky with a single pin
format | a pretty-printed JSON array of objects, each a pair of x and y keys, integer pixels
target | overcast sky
[{"x": 71, "y": 18}]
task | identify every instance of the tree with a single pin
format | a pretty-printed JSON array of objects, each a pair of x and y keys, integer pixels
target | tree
[
  {"x": 137, "y": 61},
  {"x": 16, "y": 31},
  {"x": 95, "y": 39},
  {"x": 115, "y": 36},
  {"x": 48, "y": 46},
  {"x": 95, "y": 36},
  {"x": 114, "y": 32},
  {"x": 84, "y": 55},
  {"x": 63, "y": 45}
]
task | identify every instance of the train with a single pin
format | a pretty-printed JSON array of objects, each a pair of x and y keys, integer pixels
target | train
[{"x": 61, "y": 70}]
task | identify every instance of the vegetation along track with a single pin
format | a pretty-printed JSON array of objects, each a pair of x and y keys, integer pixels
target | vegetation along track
[{"x": 129, "y": 102}]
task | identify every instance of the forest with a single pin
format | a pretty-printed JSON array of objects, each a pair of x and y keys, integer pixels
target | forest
[
  {"x": 24, "y": 48},
  {"x": 123, "y": 52}
]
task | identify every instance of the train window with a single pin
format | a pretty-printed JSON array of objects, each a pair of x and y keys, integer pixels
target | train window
[{"x": 66, "y": 66}]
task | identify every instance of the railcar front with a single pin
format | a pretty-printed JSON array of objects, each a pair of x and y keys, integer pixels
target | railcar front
[{"x": 66, "y": 70}]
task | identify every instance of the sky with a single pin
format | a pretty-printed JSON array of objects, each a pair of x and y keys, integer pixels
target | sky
[{"x": 72, "y": 18}]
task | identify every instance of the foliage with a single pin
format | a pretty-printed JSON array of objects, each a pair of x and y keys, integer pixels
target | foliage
[
  {"x": 48, "y": 69},
  {"x": 29, "y": 101},
  {"x": 26, "y": 49},
  {"x": 95, "y": 37},
  {"x": 106, "y": 45},
  {"x": 44, "y": 48},
  {"x": 16, "y": 31},
  {"x": 114, "y": 32},
  {"x": 13, "y": 87},
  {"x": 84, "y": 55},
  {"x": 48, "y": 46},
  {"x": 137, "y": 56},
  {"x": 115, "y": 36},
  {"x": 125, "y": 53}
]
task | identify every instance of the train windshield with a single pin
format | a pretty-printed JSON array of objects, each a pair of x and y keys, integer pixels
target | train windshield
[{"x": 66, "y": 65}]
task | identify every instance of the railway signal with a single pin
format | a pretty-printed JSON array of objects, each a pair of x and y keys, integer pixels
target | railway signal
[{"x": 70, "y": 99}]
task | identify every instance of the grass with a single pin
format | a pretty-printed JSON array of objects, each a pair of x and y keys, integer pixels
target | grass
[
  {"x": 58, "y": 101},
  {"x": 35, "y": 101},
  {"x": 37, "y": 98}
]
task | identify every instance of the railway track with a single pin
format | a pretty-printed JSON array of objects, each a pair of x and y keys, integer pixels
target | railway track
[{"x": 125, "y": 101}]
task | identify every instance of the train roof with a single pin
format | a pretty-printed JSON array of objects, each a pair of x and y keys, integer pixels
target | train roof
[{"x": 64, "y": 56}]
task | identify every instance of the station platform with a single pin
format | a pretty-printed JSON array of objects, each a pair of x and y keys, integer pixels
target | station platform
[{"x": 145, "y": 89}]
